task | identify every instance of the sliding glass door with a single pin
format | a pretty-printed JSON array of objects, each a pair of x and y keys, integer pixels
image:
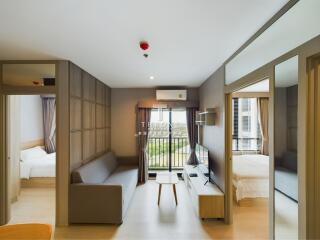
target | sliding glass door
[{"x": 168, "y": 144}]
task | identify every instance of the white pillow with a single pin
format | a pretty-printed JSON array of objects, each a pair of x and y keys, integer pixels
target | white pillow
[{"x": 32, "y": 153}]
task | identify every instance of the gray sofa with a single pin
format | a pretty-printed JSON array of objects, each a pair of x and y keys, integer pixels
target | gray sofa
[
  {"x": 286, "y": 177},
  {"x": 101, "y": 191}
]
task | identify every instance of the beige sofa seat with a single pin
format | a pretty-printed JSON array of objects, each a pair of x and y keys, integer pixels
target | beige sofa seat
[{"x": 101, "y": 191}]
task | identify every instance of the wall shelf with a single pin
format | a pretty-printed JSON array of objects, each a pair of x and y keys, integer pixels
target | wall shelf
[{"x": 206, "y": 117}]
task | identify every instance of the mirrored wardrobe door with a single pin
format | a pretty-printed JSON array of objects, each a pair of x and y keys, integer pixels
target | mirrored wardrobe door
[{"x": 285, "y": 149}]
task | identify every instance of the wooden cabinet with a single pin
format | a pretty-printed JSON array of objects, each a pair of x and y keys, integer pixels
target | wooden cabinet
[{"x": 207, "y": 200}]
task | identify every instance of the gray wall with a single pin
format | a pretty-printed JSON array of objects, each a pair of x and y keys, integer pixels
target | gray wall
[
  {"x": 292, "y": 117},
  {"x": 211, "y": 95},
  {"x": 286, "y": 109},
  {"x": 280, "y": 122},
  {"x": 123, "y": 116},
  {"x": 31, "y": 118}
]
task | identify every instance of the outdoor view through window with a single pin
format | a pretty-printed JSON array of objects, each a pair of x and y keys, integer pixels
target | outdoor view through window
[
  {"x": 246, "y": 129},
  {"x": 159, "y": 140}
]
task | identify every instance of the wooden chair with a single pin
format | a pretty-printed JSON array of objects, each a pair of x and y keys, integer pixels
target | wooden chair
[{"x": 34, "y": 231}]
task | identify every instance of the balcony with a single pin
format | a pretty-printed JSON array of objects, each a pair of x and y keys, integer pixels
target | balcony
[
  {"x": 246, "y": 144},
  {"x": 158, "y": 152}
]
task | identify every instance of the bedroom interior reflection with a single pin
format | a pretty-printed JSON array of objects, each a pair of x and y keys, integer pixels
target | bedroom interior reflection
[{"x": 285, "y": 150}]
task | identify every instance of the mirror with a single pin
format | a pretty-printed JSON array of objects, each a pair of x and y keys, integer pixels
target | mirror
[
  {"x": 36, "y": 75},
  {"x": 285, "y": 149},
  {"x": 297, "y": 26}
]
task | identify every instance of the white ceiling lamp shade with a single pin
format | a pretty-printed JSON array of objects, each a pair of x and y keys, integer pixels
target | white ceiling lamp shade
[{"x": 297, "y": 26}]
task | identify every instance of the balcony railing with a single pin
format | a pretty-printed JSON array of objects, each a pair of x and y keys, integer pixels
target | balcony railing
[
  {"x": 158, "y": 152},
  {"x": 246, "y": 144}
]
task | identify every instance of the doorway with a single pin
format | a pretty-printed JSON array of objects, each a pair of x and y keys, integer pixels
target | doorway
[
  {"x": 31, "y": 138},
  {"x": 247, "y": 135},
  {"x": 168, "y": 144}
]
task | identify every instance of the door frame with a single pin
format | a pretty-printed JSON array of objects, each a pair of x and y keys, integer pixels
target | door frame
[
  {"x": 61, "y": 91},
  {"x": 304, "y": 51}
]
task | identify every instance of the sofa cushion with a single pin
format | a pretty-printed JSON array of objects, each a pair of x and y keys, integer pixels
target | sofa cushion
[
  {"x": 96, "y": 171},
  {"x": 127, "y": 176},
  {"x": 289, "y": 161}
]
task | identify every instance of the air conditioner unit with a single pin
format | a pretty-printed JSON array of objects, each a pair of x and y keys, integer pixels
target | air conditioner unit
[{"x": 169, "y": 95}]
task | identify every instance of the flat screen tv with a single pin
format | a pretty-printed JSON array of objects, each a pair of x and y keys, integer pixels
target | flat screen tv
[{"x": 202, "y": 155}]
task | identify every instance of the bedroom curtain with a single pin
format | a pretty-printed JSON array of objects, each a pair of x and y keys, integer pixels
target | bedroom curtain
[
  {"x": 49, "y": 123},
  {"x": 192, "y": 134},
  {"x": 263, "y": 112},
  {"x": 142, "y": 127}
]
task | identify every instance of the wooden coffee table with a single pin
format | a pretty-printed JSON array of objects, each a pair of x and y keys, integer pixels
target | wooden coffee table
[{"x": 167, "y": 178}]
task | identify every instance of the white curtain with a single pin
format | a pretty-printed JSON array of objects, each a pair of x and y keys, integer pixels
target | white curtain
[{"x": 14, "y": 145}]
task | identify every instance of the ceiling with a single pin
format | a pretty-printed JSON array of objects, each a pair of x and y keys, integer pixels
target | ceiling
[
  {"x": 262, "y": 86},
  {"x": 189, "y": 39},
  {"x": 26, "y": 74},
  {"x": 286, "y": 73}
]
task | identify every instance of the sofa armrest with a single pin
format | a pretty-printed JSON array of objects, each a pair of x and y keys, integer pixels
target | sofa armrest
[{"x": 95, "y": 203}]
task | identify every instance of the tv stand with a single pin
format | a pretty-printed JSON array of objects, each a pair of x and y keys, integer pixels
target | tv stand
[{"x": 207, "y": 199}]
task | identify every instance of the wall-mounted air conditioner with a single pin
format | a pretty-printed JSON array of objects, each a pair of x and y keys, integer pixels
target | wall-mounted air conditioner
[{"x": 171, "y": 95}]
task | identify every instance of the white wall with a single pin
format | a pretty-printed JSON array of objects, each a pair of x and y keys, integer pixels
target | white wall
[{"x": 31, "y": 118}]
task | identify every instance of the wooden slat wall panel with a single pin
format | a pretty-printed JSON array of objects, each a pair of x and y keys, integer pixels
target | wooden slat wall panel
[
  {"x": 75, "y": 149},
  {"x": 100, "y": 116},
  {"x": 89, "y": 87},
  {"x": 101, "y": 140},
  {"x": 101, "y": 93},
  {"x": 108, "y": 139},
  {"x": 90, "y": 101},
  {"x": 75, "y": 114},
  {"x": 108, "y": 117},
  {"x": 89, "y": 115},
  {"x": 89, "y": 146},
  {"x": 75, "y": 81}
]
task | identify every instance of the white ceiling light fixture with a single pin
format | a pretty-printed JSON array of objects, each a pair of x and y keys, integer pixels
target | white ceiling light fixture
[{"x": 151, "y": 77}]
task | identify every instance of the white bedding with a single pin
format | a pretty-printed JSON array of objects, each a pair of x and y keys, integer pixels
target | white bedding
[
  {"x": 251, "y": 176},
  {"x": 38, "y": 166}
]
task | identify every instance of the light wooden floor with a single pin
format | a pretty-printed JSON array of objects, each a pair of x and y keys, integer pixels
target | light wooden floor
[
  {"x": 286, "y": 217},
  {"x": 145, "y": 220}
]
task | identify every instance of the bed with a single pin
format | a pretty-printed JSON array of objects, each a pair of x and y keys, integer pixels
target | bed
[
  {"x": 250, "y": 179},
  {"x": 37, "y": 168}
]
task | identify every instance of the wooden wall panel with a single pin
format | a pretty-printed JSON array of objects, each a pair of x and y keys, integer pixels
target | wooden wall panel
[
  {"x": 100, "y": 140},
  {"x": 108, "y": 139},
  {"x": 75, "y": 81},
  {"x": 108, "y": 96},
  {"x": 75, "y": 150},
  {"x": 75, "y": 114},
  {"x": 108, "y": 117},
  {"x": 89, "y": 115},
  {"x": 100, "y": 116},
  {"x": 89, "y": 87},
  {"x": 89, "y": 146},
  {"x": 90, "y": 101},
  {"x": 101, "y": 93}
]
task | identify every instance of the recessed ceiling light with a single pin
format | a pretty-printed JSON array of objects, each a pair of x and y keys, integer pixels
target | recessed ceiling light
[{"x": 151, "y": 77}]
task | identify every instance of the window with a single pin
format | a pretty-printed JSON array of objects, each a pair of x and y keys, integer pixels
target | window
[
  {"x": 245, "y": 129},
  {"x": 168, "y": 143}
]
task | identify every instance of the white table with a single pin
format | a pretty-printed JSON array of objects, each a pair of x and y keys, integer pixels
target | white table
[{"x": 167, "y": 178}]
